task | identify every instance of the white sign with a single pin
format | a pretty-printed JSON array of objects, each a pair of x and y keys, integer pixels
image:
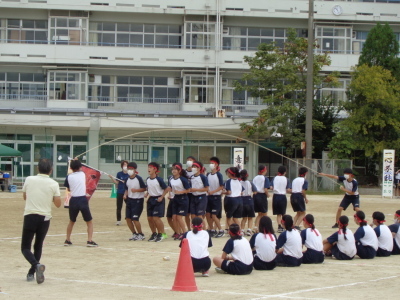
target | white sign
[
  {"x": 388, "y": 173},
  {"x": 238, "y": 158}
]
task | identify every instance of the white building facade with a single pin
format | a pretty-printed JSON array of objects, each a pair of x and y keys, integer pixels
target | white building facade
[{"x": 80, "y": 73}]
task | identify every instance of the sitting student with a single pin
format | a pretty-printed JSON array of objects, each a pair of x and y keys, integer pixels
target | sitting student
[
  {"x": 341, "y": 244},
  {"x": 288, "y": 246},
  {"x": 395, "y": 229},
  {"x": 385, "y": 238},
  {"x": 199, "y": 242},
  {"x": 312, "y": 239},
  {"x": 366, "y": 240},
  {"x": 263, "y": 244},
  {"x": 240, "y": 261}
]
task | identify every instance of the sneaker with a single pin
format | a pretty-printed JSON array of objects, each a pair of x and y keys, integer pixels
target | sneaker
[
  {"x": 91, "y": 244},
  {"x": 152, "y": 237},
  {"x": 205, "y": 274},
  {"x": 220, "y": 233},
  {"x": 118, "y": 223},
  {"x": 335, "y": 225},
  {"x": 159, "y": 237},
  {"x": 249, "y": 232},
  {"x": 165, "y": 236},
  {"x": 220, "y": 271},
  {"x": 180, "y": 237},
  {"x": 39, "y": 273},
  {"x": 133, "y": 238},
  {"x": 175, "y": 236},
  {"x": 140, "y": 237},
  {"x": 280, "y": 229},
  {"x": 213, "y": 233},
  {"x": 67, "y": 243},
  {"x": 30, "y": 277}
]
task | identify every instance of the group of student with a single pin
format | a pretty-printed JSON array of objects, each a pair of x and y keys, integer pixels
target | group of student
[{"x": 265, "y": 251}]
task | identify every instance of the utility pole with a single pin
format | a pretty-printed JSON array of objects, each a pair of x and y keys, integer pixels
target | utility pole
[{"x": 310, "y": 82}]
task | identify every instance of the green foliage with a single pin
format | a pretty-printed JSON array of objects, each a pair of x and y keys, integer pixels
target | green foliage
[
  {"x": 381, "y": 49},
  {"x": 279, "y": 78}
]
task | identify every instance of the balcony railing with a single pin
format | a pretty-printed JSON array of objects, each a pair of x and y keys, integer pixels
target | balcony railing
[
  {"x": 22, "y": 101},
  {"x": 249, "y": 106},
  {"x": 134, "y": 103}
]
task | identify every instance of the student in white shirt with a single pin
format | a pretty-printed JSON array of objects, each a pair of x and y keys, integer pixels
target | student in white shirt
[
  {"x": 395, "y": 229},
  {"x": 298, "y": 197},
  {"x": 262, "y": 185},
  {"x": 248, "y": 203},
  {"x": 366, "y": 240},
  {"x": 233, "y": 199},
  {"x": 312, "y": 240},
  {"x": 281, "y": 186},
  {"x": 263, "y": 244},
  {"x": 385, "y": 238},
  {"x": 289, "y": 245}
]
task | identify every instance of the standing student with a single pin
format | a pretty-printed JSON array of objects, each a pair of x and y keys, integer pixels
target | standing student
[
  {"x": 156, "y": 189},
  {"x": 199, "y": 191},
  {"x": 279, "y": 201},
  {"x": 179, "y": 187},
  {"x": 189, "y": 174},
  {"x": 199, "y": 242},
  {"x": 298, "y": 198},
  {"x": 214, "y": 200},
  {"x": 366, "y": 240},
  {"x": 39, "y": 192},
  {"x": 237, "y": 257},
  {"x": 170, "y": 219},
  {"x": 122, "y": 176},
  {"x": 312, "y": 240},
  {"x": 351, "y": 192},
  {"x": 263, "y": 244},
  {"x": 395, "y": 229},
  {"x": 289, "y": 245},
  {"x": 76, "y": 184},
  {"x": 341, "y": 244},
  {"x": 248, "y": 203},
  {"x": 385, "y": 238},
  {"x": 262, "y": 185},
  {"x": 134, "y": 197},
  {"x": 233, "y": 199}
]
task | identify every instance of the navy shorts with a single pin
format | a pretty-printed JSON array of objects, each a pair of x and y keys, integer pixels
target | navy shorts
[
  {"x": 180, "y": 205},
  {"x": 236, "y": 267},
  {"x": 248, "y": 207},
  {"x": 155, "y": 208},
  {"x": 365, "y": 252},
  {"x": 350, "y": 199},
  {"x": 260, "y": 202},
  {"x": 233, "y": 207},
  {"x": 133, "y": 208},
  {"x": 339, "y": 255},
  {"x": 283, "y": 260},
  {"x": 279, "y": 203},
  {"x": 214, "y": 204},
  {"x": 297, "y": 201},
  {"x": 263, "y": 265},
  {"x": 396, "y": 249},
  {"x": 198, "y": 205},
  {"x": 79, "y": 204},
  {"x": 383, "y": 253},
  {"x": 169, "y": 208},
  {"x": 201, "y": 264},
  {"x": 312, "y": 256}
]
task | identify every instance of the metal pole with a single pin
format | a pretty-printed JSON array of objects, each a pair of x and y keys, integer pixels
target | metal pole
[{"x": 310, "y": 82}]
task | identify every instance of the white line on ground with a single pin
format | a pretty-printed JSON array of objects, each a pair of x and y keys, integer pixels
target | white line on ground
[{"x": 359, "y": 264}]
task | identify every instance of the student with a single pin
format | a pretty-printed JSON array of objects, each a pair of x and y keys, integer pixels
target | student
[
  {"x": 397, "y": 183},
  {"x": 395, "y": 229},
  {"x": 341, "y": 244},
  {"x": 233, "y": 204},
  {"x": 134, "y": 197},
  {"x": 366, "y": 240},
  {"x": 189, "y": 174},
  {"x": 240, "y": 261},
  {"x": 248, "y": 203},
  {"x": 312, "y": 240},
  {"x": 157, "y": 189},
  {"x": 214, "y": 203},
  {"x": 179, "y": 188},
  {"x": 298, "y": 198},
  {"x": 76, "y": 184},
  {"x": 199, "y": 191},
  {"x": 262, "y": 185},
  {"x": 199, "y": 242},
  {"x": 263, "y": 244},
  {"x": 122, "y": 176},
  {"x": 351, "y": 192},
  {"x": 279, "y": 201},
  {"x": 288, "y": 246},
  {"x": 385, "y": 238},
  {"x": 170, "y": 219},
  {"x": 39, "y": 192}
]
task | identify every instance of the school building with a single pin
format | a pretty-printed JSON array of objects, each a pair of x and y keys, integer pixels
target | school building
[{"x": 80, "y": 73}]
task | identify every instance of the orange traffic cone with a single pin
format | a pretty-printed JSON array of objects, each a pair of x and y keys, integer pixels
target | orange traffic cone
[{"x": 184, "y": 278}]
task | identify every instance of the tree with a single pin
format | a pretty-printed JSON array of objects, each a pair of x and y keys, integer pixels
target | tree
[
  {"x": 381, "y": 49},
  {"x": 279, "y": 78}
]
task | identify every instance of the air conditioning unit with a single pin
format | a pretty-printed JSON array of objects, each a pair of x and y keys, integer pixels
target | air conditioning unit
[{"x": 225, "y": 30}]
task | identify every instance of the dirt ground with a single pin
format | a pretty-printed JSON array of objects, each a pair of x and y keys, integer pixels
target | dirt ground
[{"x": 121, "y": 269}]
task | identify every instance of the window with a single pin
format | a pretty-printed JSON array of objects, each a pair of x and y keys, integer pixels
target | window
[
  {"x": 140, "y": 153},
  {"x": 26, "y": 152},
  {"x": 64, "y": 85},
  {"x": 199, "y": 88},
  {"x": 232, "y": 97},
  {"x": 122, "y": 153},
  {"x": 27, "y": 31},
  {"x": 107, "y": 153},
  {"x": 22, "y": 86},
  {"x": 224, "y": 154},
  {"x": 334, "y": 39},
  {"x": 337, "y": 94},
  {"x": 200, "y": 35},
  {"x": 68, "y": 30}
]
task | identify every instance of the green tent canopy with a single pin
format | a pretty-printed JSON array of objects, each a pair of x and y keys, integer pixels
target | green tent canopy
[{"x": 8, "y": 152}]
